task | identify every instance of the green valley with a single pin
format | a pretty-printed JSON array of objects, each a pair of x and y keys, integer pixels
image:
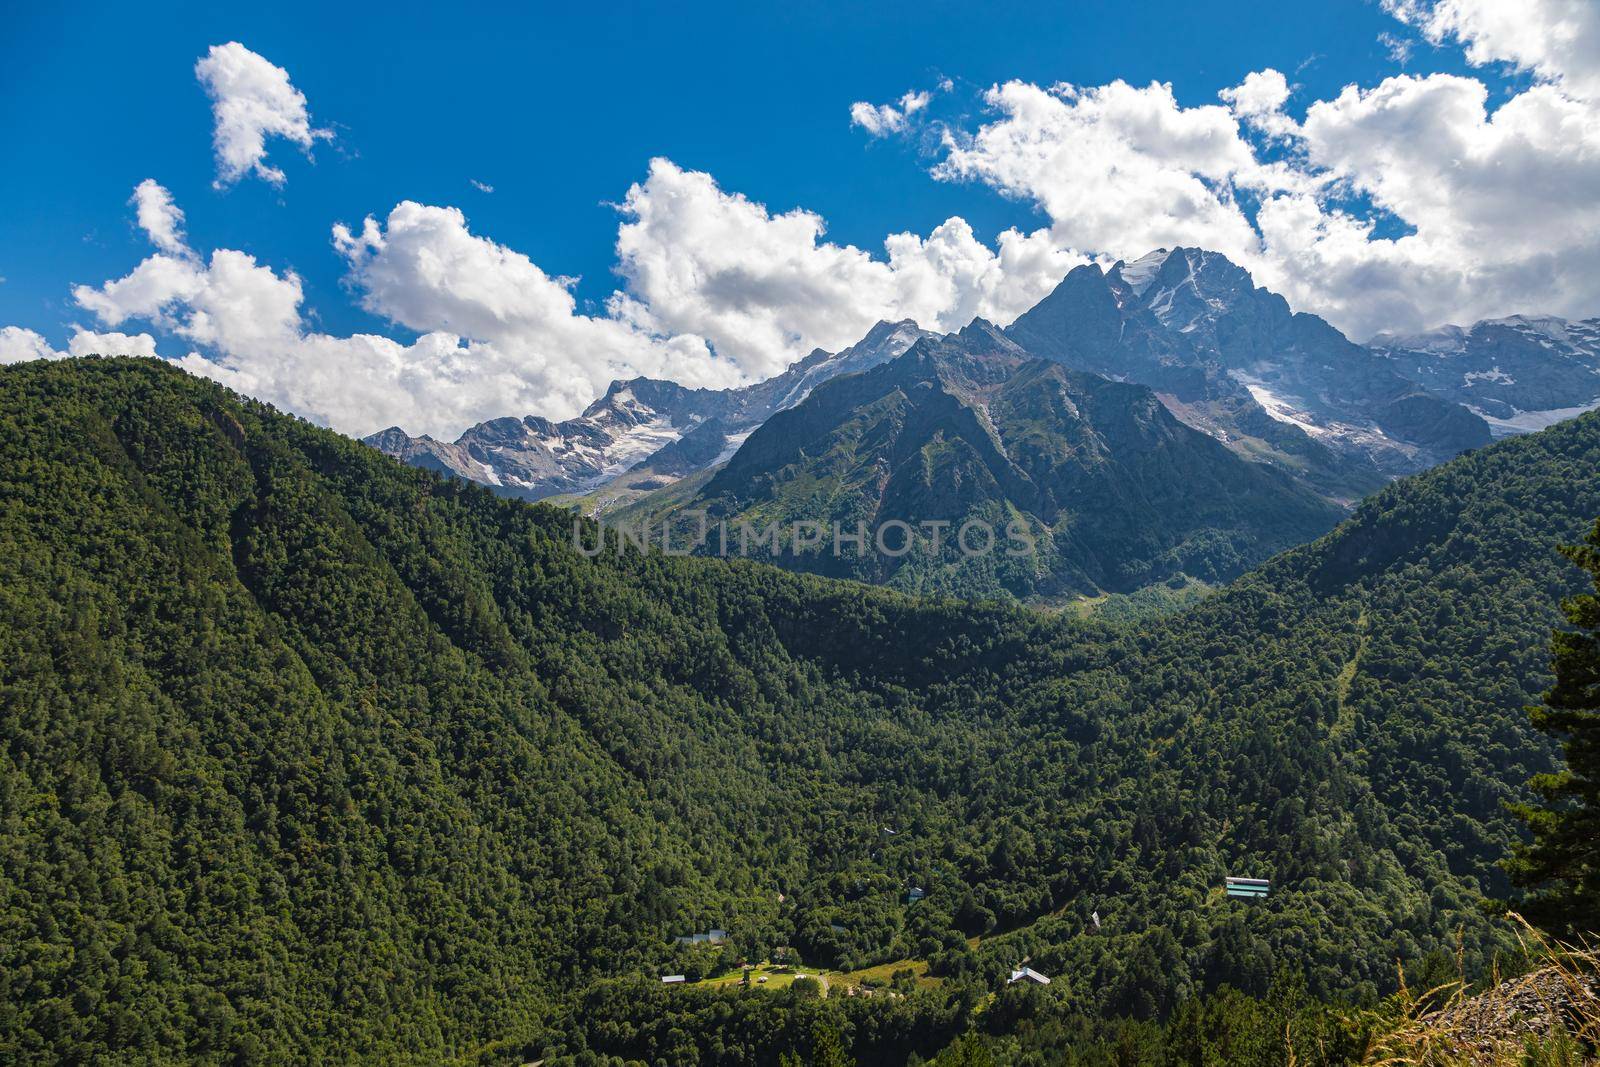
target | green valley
[{"x": 309, "y": 756}]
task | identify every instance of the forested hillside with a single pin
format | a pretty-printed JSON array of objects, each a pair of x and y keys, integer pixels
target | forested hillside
[
  {"x": 306, "y": 755},
  {"x": 1113, "y": 492}
]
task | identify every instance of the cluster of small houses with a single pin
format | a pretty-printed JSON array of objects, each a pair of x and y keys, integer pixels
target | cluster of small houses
[{"x": 1247, "y": 888}]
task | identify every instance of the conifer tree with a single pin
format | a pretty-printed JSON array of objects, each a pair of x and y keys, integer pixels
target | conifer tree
[{"x": 1562, "y": 864}]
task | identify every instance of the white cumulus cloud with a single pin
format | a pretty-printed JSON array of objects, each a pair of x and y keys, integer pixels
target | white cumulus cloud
[
  {"x": 765, "y": 289},
  {"x": 251, "y": 100},
  {"x": 18, "y": 344},
  {"x": 1259, "y": 100},
  {"x": 880, "y": 120},
  {"x": 1118, "y": 169},
  {"x": 1558, "y": 40},
  {"x": 159, "y": 217},
  {"x": 90, "y": 343},
  {"x": 425, "y": 269},
  {"x": 146, "y": 292},
  {"x": 1396, "y": 207},
  {"x": 718, "y": 291},
  {"x": 1499, "y": 204},
  {"x": 498, "y": 335}
]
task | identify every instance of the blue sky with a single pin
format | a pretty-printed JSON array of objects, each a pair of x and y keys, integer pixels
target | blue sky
[{"x": 560, "y": 108}]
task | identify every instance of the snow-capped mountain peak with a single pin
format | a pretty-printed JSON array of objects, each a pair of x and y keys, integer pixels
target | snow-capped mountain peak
[
  {"x": 1225, "y": 356},
  {"x": 533, "y": 457}
]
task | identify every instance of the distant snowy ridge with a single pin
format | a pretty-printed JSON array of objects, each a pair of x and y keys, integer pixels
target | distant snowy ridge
[
  {"x": 533, "y": 458},
  {"x": 1227, "y": 357},
  {"x": 1520, "y": 372}
]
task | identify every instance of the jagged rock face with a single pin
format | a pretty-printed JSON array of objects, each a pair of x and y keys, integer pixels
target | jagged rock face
[
  {"x": 533, "y": 458},
  {"x": 1232, "y": 358},
  {"x": 1223, "y": 355},
  {"x": 1118, "y": 492},
  {"x": 1520, "y": 373},
  {"x": 883, "y": 342}
]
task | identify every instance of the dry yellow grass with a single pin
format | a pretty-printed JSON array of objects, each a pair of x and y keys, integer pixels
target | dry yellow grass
[{"x": 1547, "y": 1017}]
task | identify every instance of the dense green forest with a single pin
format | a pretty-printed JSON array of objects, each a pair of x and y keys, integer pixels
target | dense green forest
[{"x": 309, "y": 756}]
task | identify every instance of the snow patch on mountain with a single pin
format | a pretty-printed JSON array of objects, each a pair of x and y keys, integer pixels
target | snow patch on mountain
[
  {"x": 1142, "y": 271},
  {"x": 634, "y": 444},
  {"x": 1280, "y": 408},
  {"x": 1534, "y": 421},
  {"x": 1549, "y": 326},
  {"x": 734, "y": 441},
  {"x": 490, "y": 475}
]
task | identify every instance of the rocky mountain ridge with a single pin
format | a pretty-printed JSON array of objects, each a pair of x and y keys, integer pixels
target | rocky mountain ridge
[
  {"x": 1114, "y": 492},
  {"x": 1224, "y": 356},
  {"x": 533, "y": 458},
  {"x": 1521, "y": 373}
]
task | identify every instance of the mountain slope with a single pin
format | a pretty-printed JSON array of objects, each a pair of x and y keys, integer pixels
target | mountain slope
[
  {"x": 1225, "y": 356},
  {"x": 1520, "y": 373},
  {"x": 308, "y": 755},
  {"x": 1233, "y": 359},
  {"x": 1115, "y": 493},
  {"x": 532, "y": 458}
]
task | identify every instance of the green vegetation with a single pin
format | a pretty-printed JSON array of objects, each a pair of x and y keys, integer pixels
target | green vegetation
[
  {"x": 309, "y": 756},
  {"x": 1564, "y": 858},
  {"x": 1175, "y": 594},
  {"x": 1082, "y": 485}
]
